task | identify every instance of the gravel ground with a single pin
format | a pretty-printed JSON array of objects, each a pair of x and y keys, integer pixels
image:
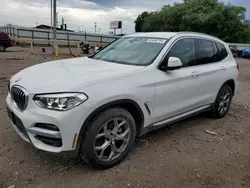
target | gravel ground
[{"x": 181, "y": 155}]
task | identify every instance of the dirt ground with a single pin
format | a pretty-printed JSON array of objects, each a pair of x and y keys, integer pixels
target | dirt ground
[{"x": 182, "y": 155}]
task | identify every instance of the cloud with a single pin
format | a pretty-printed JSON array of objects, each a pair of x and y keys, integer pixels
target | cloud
[
  {"x": 102, "y": 18},
  {"x": 64, "y": 3},
  {"x": 19, "y": 13},
  {"x": 29, "y": 13},
  {"x": 243, "y": 3},
  {"x": 155, "y": 4},
  {"x": 100, "y": 4},
  {"x": 81, "y": 14}
]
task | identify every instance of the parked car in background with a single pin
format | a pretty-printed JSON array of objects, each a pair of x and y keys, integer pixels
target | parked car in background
[
  {"x": 97, "y": 106},
  {"x": 245, "y": 53},
  {"x": 234, "y": 50},
  {"x": 5, "y": 41}
]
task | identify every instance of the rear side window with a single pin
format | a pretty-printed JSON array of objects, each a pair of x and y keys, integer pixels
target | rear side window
[
  {"x": 205, "y": 51},
  {"x": 222, "y": 52}
]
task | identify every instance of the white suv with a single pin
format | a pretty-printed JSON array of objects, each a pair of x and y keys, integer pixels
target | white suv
[{"x": 96, "y": 106}]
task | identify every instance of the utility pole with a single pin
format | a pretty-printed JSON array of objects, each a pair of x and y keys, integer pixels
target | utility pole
[
  {"x": 54, "y": 26},
  {"x": 57, "y": 20},
  {"x": 51, "y": 20},
  {"x": 95, "y": 26},
  {"x": 62, "y": 26}
]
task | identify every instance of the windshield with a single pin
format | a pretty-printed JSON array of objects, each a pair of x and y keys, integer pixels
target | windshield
[{"x": 132, "y": 50}]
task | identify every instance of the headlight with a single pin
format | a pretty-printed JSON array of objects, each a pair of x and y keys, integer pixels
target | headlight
[{"x": 60, "y": 101}]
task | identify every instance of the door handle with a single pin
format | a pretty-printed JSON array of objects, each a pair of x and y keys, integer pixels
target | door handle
[
  {"x": 223, "y": 68},
  {"x": 195, "y": 74}
]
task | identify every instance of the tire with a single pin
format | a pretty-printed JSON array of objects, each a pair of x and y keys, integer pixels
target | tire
[
  {"x": 2, "y": 48},
  {"x": 217, "y": 111},
  {"x": 103, "y": 134}
]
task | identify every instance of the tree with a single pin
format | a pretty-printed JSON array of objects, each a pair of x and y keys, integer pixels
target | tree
[
  {"x": 140, "y": 20},
  {"x": 227, "y": 22}
]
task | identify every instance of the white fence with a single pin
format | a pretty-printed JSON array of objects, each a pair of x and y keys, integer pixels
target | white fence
[
  {"x": 240, "y": 46},
  {"x": 45, "y": 34}
]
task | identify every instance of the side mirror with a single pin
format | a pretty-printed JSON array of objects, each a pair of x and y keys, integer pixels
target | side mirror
[{"x": 174, "y": 63}]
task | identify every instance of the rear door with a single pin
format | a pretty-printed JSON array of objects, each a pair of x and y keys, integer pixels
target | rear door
[
  {"x": 210, "y": 70},
  {"x": 228, "y": 63}
]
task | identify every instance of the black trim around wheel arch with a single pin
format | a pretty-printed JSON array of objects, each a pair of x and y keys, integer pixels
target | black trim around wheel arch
[{"x": 98, "y": 110}]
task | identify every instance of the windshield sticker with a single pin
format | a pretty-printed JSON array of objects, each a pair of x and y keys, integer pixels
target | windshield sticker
[{"x": 161, "y": 41}]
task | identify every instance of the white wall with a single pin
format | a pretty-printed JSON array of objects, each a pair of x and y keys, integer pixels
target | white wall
[{"x": 34, "y": 33}]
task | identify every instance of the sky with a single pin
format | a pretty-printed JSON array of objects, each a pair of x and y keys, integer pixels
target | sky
[{"x": 82, "y": 14}]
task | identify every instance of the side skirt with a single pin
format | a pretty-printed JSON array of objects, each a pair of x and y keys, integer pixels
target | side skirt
[{"x": 175, "y": 119}]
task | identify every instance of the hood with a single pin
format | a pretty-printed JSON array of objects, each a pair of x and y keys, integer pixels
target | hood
[{"x": 65, "y": 75}]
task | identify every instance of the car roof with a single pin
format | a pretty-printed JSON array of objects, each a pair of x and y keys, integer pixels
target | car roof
[
  {"x": 169, "y": 35},
  {"x": 166, "y": 35},
  {"x": 3, "y": 33}
]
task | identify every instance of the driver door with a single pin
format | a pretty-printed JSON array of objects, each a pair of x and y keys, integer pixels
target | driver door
[{"x": 178, "y": 91}]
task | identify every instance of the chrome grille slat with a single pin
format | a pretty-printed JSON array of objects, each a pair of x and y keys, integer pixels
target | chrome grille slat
[
  {"x": 23, "y": 95},
  {"x": 20, "y": 97}
]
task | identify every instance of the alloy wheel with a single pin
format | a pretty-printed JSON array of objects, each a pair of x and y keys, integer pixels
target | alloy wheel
[
  {"x": 1, "y": 48},
  {"x": 112, "y": 139},
  {"x": 224, "y": 101}
]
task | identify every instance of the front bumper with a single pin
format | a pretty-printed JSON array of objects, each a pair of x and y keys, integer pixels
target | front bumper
[{"x": 66, "y": 125}]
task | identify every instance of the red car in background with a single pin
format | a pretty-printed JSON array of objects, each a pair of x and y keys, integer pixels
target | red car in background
[{"x": 5, "y": 41}]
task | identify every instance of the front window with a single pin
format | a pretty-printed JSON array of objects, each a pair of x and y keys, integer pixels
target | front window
[
  {"x": 132, "y": 50},
  {"x": 184, "y": 49}
]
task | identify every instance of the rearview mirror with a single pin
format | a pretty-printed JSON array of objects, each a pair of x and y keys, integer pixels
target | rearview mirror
[{"x": 174, "y": 63}]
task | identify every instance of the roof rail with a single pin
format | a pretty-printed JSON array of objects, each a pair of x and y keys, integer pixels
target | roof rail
[{"x": 191, "y": 32}]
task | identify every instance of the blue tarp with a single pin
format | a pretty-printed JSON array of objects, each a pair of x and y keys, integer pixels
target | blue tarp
[{"x": 245, "y": 51}]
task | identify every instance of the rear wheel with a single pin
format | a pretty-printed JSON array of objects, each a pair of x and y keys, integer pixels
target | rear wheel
[
  {"x": 222, "y": 102},
  {"x": 109, "y": 138},
  {"x": 2, "y": 48}
]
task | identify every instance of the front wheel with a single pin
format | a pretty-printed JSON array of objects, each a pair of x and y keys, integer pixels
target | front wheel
[
  {"x": 109, "y": 138},
  {"x": 2, "y": 48},
  {"x": 223, "y": 101}
]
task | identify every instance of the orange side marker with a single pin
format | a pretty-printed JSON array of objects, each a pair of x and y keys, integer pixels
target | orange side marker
[{"x": 74, "y": 141}]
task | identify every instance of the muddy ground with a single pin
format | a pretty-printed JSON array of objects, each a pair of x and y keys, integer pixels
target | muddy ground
[{"x": 182, "y": 155}]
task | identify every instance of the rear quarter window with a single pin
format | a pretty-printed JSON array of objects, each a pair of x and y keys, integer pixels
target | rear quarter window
[
  {"x": 222, "y": 52},
  {"x": 205, "y": 51}
]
